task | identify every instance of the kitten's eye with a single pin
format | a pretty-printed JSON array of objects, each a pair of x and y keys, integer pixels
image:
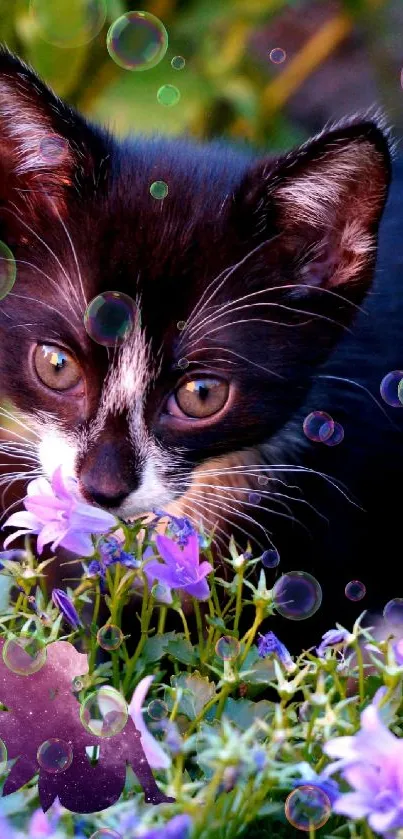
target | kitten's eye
[
  {"x": 202, "y": 396},
  {"x": 56, "y": 368}
]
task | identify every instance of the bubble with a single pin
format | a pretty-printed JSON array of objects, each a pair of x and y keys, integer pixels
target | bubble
[
  {"x": 159, "y": 190},
  {"x": 81, "y": 25},
  {"x": 393, "y": 611},
  {"x": 8, "y": 270},
  {"x": 355, "y": 590},
  {"x": 160, "y": 592},
  {"x": 318, "y": 426},
  {"x": 109, "y": 637},
  {"x": 168, "y": 95},
  {"x": 178, "y": 62},
  {"x": 389, "y": 388},
  {"x": 263, "y": 480},
  {"x": 54, "y": 149},
  {"x": 3, "y": 757},
  {"x": 183, "y": 363},
  {"x": 55, "y": 755},
  {"x": 24, "y": 655},
  {"x": 227, "y": 647},
  {"x": 337, "y": 436},
  {"x": 270, "y": 558},
  {"x": 104, "y": 712},
  {"x": 110, "y": 318},
  {"x": 157, "y": 709},
  {"x": 181, "y": 325},
  {"x": 77, "y": 684},
  {"x": 277, "y": 55},
  {"x": 106, "y": 833},
  {"x": 137, "y": 41},
  {"x": 308, "y": 807},
  {"x": 255, "y": 498},
  {"x": 297, "y": 595}
]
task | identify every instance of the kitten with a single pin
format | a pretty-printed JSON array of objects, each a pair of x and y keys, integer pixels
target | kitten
[{"x": 266, "y": 262}]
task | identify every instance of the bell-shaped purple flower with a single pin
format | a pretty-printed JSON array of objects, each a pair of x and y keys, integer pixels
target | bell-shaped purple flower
[{"x": 66, "y": 607}]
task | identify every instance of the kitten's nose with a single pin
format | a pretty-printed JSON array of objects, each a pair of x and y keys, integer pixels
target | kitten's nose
[
  {"x": 104, "y": 500},
  {"x": 107, "y": 477}
]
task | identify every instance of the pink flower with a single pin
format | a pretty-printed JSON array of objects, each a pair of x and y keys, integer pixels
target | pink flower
[
  {"x": 157, "y": 758},
  {"x": 57, "y": 514}
]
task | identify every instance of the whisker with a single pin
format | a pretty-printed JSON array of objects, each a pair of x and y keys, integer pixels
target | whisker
[
  {"x": 50, "y": 279},
  {"x": 74, "y": 252},
  {"x": 220, "y": 517},
  {"x": 362, "y": 387},
  {"x": 272, "y": 496},
  {"x": 243, "y": 357},
  {"x": 202, "y": 498},
  {"x": 48, "y": 306}
]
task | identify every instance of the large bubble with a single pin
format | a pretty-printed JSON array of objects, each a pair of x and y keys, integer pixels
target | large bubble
[
  {"x": 137, "y": 41},
  {"x": 110, "y": 317},
  {"x": 8, "y": 270},
  {"x": 104, "y": 712},
  {"x": 24, "y": 655},
  {"x": 83, "y": 22},
  {"x": 297, "y": 595}
]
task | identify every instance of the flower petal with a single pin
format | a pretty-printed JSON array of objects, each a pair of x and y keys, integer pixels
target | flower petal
[
  {"x": 15, "y": 536},
  {"x": 91, "y": 519},
  {"x": 64, "y": 487},
  {"x": 204, "y": 569},
  {"x": 157, "y": 758},
  {"x": 77, "y": 543},
  {"x": 353, "y": 804},
  {"x": 200, "y": 590},
  {"x": 169, "y": 550},
  {"x": 40, "y": 486},
  {"x": 50, "y": 533},
  {"x": 381, "y": 822},
  {"x": 155, "y": 570},
  {"x": 24, "y": 519}
]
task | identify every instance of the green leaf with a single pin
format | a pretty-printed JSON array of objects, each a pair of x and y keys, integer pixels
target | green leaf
[
  {"x": 155, "y": 647},
  {"x": 182, "y": 650},
  {"x": 197, "y": 692},
  {"x": 261, "y": 672},
  {"x": 243, "y": 712}
]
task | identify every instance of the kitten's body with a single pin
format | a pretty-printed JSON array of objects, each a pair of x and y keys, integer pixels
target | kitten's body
[{"x": 266, "y": 263}]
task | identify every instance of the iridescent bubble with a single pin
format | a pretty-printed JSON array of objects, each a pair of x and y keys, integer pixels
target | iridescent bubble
[
  {"x": 24, "y": 655},
  {"x": 106, "y": 833},
  {"x": 8, "y": 270},
  {"x": 3, "y": 757},
  {"x": 157, "y": 709},
  {"x": 110, "y": 317},
  {"x": 255, "y": 498},
  {"x": 318, "y": 426},
  {"x": 393, "y": 611},
  {"x": 81, "y": 25},
  {"x": 77, "y": 684},
  {"x": 307, "y": 808},
  {"x": 109, "y": 637},
  {"x": 53, "y": 149},
  {"x": 270, "y": 558},
  {"x": 263, "y": 480},
  {"x": 400, "y": 391},
  {"x": 183, "y": 363},
  {"x": 168, "y": 95},
  {"x": 137, "y": 41},
  {"x": 355, "y": 590},
  {"x": 178, "y": 62},
  {"x": 297, "y": 595},
  {"x": 181, "y": 325},
  {"x": 55, "y": 755},
  {"x": 104, "y": 712},
  {"x": 161, "y": 593},
  {"x": 390, "y": 388},
  {"x": 227, "y": 647},
  {"x": 337, "y": 436},
  {"x": 159, "y": 190},
  {"x": 277, "y": 55}
]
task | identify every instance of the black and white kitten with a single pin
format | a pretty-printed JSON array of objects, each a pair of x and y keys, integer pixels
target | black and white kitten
[{"x": 266, "y": 262}]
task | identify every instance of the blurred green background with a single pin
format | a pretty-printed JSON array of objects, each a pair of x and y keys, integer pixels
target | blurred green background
[{"x": 340, "y": 57}]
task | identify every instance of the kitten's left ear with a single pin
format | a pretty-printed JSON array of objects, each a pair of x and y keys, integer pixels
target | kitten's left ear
[{"x": 325, "y": 200}]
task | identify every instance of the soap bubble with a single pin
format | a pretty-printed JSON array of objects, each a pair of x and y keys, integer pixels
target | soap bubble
[
  {"x": 393, "y": 611},
  {"x": 157, "y": 709},
  {"x": 109, "y": 637},
  {"x": 168, "y": 95},
  {"x": 178, "y": 62},
  {"x": 181, "y": 325},
  {"x": 137, "y": 41},
  {"x": 183, "y": 363},
  {"x": 77, "y": 684},
  {"x": 390, "y": 388},
  {"x": 55, "y": 755},
  {"x": 81, "y": 25},
  {"x": 3, "y": 757},
  {"x": 297, "y": 595},
  {"x": 53, "y": 149},
  {"x": 263, "y": 480},
  {"x": 227, "y": 647},
  {"x": 270, "y": 558},
  {"x": 110, "y": 318},
  {"x": 8, "y": 270},
  {"x": 159, "y": 189},
  {"x": 104, "y": 712},
  {"x": 255, "y": 498},
  {"x": 337, "y": 436},
  {"x": 24, "y": 655},
  {"x": 308, "y": 807},
  {"x": 106, "y": 833},
  {"x": 355, "y": 590},
  {"x": 277, "y": 55},
  {"x": 318, "y": 426}
]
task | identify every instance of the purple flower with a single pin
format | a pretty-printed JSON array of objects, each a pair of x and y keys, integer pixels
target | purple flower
[
  {"x": 176, "y": 828},
  {"x": 66, "y": 607},
  {"x": 56, "y": 513},
  {"x": 269, "y": 644},
  {"x": 332, "y": 638},
  {"x": 110, "y": 549},
  {"x": 181, "y": 569},
  {"x": 371, "y": 762},
  {"x": 327, "y": 785},
  {"x": 181, "y": 528}
]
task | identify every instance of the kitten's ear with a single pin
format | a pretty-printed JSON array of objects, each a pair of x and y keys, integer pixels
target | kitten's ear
[
  {"x": 46, "y": 148},
  {"x": 325, "y": 200}
]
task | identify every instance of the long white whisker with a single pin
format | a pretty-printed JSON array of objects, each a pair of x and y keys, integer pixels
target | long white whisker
[
  {"x": 74, "y": 252},
  {"x": 234, "y": 511}
]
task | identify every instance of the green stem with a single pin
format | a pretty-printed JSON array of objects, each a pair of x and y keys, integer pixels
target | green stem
[
  {"x": 312, "y": 832},
  {"x": 360, "y": 662},
  {"x": 161, "y": 619},
  {"x": 238, "y": 605},
  {"x": 93, "y": 650},
  {"x": 249, "y": 636},
  {"x": 185, "y": 625},
  {"x": 199, "y": 627}
]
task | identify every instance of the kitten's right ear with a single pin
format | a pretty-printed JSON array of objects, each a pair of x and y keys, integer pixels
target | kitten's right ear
[{"x": 46, "y": 149}]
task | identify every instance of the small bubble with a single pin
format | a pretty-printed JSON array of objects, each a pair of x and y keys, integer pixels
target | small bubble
[
  {"x": 53, "y": 150},
  {"x": 159, "y": 190},
  {"x": 137, "y": 41},
  {"x": 109, "y": 637},
  {"x": 160, "y": 592},
  {"x": 3, "y": 757},
  {"x": 277, "y": 55},
  {"x": 24, "y": 655},
  {"x": 104, "y": 712},
  {"x": 8, "y": 270},
  {"x": 157, "y": 709},
  {"x": 318, "y": 426},
  {"x": 178, "y": 62},
  {"x": 297, "y": 595},
  {"x": 181, "y": 325},
  {"x": 55, "y": 755},
  {"x": 81, "y": 25},
  {"x": 255, "y": 498},
  {"x": 393, "y": 611},
  {"x": 263, "y": 480},
  {"x": 355, "y": 590},
  {"x": 227, "y": 647},
  {"x": 183, "y": 363},
  {"x": 168, "y": 95},
  {"x": 106, "y": 833},
  {"x": 307, "y": 807},
  {"x": 270, "y": 558},
  {"x": 77, "y": 684},
  {"x": 110, "y": 318},
  {"x": 389, "y": 388},
  {"x": 337, "y": 436}
]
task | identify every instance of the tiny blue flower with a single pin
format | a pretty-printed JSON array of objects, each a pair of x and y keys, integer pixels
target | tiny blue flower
[
  {"x": 269, "y": 644},
  {"x": 332, "y": 638},
  {"x": 259, "y": 757}
]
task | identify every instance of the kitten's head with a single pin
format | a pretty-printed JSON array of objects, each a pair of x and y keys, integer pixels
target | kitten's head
[{"x": 264, "y": 261}]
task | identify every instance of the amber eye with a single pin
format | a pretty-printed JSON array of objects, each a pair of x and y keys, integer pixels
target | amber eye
[
  {"x": 202, "y": 397},
  {"x": 56, "y": 368}
]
